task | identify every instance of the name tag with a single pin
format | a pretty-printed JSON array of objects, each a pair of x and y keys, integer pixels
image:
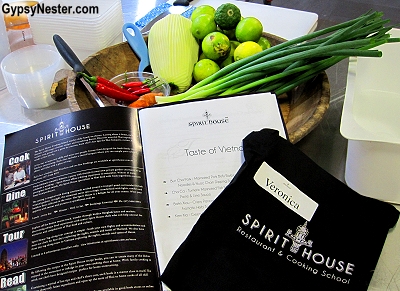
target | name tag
[{"x": 287, "y": 193}]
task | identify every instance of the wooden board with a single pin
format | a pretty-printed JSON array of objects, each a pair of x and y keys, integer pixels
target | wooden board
[{"x": 302, "y": 108}]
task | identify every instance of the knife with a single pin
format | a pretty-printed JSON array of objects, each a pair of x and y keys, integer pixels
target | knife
[
  {"x": 171, "y": 10},
  {"x": 70, "y": 57}
]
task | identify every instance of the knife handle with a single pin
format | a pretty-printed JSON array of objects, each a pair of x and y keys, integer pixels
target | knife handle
[
  {"x": 68, "y": 54},
  {"x": 181, "y": 3}
]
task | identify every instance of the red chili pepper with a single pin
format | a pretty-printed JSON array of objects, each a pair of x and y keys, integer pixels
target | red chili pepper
[
  {"x": 98, "y": 79},
  {"x": 141, "y": 84},
  {"x": 115, "y": 93},
  {"x": 133, "y": 84},
  {"x": 139, "y": 91},
  {"x": 107, "y": 82}
]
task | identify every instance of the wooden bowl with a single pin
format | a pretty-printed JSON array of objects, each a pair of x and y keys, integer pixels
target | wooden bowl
[{"x": 302, "y": 108}]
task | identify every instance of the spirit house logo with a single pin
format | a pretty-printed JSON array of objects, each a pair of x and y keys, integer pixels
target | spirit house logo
[
  {"x": 294, "y": 248},
  {"x": 208, "y": 120},
  {"x": 207, "y": 115},
  {"x": 299, "y": 238},
  {"x": 62, "y": 129}
]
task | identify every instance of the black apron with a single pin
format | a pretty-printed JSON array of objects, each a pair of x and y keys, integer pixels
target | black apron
[{"x": 249, "y": 239}]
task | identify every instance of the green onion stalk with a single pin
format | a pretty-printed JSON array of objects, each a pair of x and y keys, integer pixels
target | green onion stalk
[{"x": 289, "y": 64}]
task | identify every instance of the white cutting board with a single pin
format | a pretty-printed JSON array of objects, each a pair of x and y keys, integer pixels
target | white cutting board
[{"x": 283, "y": 22}]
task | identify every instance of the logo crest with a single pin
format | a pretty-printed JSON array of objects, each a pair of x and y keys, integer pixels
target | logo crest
[
  {"x": 299, "y": 238},
  {"x": 61, "y": 128}
]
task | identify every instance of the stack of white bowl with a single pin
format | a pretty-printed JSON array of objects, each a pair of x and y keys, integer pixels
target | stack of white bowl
[{"x": 84, "y": 33}]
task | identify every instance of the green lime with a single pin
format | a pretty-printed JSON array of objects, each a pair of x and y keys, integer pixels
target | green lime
[
  {"x": 227, "y": 16},
  {"x": 230, "y": 59},
  {"x": 246, "y": 49},
  {"x": 215, "y": 46},
  {"x": 203, "y": 25},
  {"x": 204, "y": 68},
  {"x": 234, "y": 44},
  {"x": 230, "y": 33},
  {"x": 264, "y": 43},
  {"x": 249, "y": 29},
  {"x": 202, "y": 56},
  {"x": 202, "y": 9}
]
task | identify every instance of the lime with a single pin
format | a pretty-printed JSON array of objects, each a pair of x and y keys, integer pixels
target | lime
[
  {"x": 204, "y": 68},
  {"x": 202, "y": 9},
  {"x": 246, "y": 49},
  {"x": 203, "y": 25},
  {"x": 230, "y": 59},
  {"x": 230, "y": 33},
  {"x": 202, "y": 56},
  {"x": 234, "y": 44},
  {"x": 227, "y": 16},
  {"x": 215, "y": 45},
  {"x": 249, "y": 29},
  {"x": 264, "y": 43}
]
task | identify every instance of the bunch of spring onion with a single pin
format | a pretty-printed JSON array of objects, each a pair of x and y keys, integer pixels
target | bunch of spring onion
[{"x": 287, "y": 65}]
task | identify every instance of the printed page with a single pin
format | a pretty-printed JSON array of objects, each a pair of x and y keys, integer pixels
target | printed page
[
  {"x": 75, "y": 214},
  {"x": 192, "y": 151}
]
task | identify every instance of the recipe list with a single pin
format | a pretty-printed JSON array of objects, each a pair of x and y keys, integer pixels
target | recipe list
[{"x": 191, "y": 152}]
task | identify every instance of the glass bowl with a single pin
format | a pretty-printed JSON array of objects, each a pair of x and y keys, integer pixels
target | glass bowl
[{"x": 162, "y": 86}]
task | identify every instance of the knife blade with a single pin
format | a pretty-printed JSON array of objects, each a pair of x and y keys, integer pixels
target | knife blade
[
  {"x": 95, "y": 99},
  {"x": 146, "y": 28},
  {"x": 171, "y": 10}
]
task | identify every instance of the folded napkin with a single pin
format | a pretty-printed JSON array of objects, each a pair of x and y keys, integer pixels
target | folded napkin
[
  {"x": 298, "y": 228},
  {"x": 157, "y": 11}
]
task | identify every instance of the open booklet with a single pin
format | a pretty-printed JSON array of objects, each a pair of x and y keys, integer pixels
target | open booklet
[{"x": 100, "y": 199}]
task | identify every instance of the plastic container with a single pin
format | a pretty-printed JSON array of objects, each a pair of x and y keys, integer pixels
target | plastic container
[
  {"x": 86, "y": 32},
  {"x": 17, "y": 24},
  {"x": 20, "y": 21},
  {"x": 370, "y": 121},
  {"x": 4, "y": 46},
  {"x": 29, "y": 73}
]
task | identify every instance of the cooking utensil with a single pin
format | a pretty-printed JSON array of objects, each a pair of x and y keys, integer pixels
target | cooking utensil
[
  {"x": 70, "y": 57},
  {"x": 178, "y": 7},
  {"x": 138, "y": 45},
  {"x": 182, "y": 2}
]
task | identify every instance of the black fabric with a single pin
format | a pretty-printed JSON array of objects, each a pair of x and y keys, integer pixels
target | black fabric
[{"x": 347, "y": 230}]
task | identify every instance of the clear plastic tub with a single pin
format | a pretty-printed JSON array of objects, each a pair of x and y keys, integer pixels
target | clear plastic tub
[{"x": 29, "y": 73}]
